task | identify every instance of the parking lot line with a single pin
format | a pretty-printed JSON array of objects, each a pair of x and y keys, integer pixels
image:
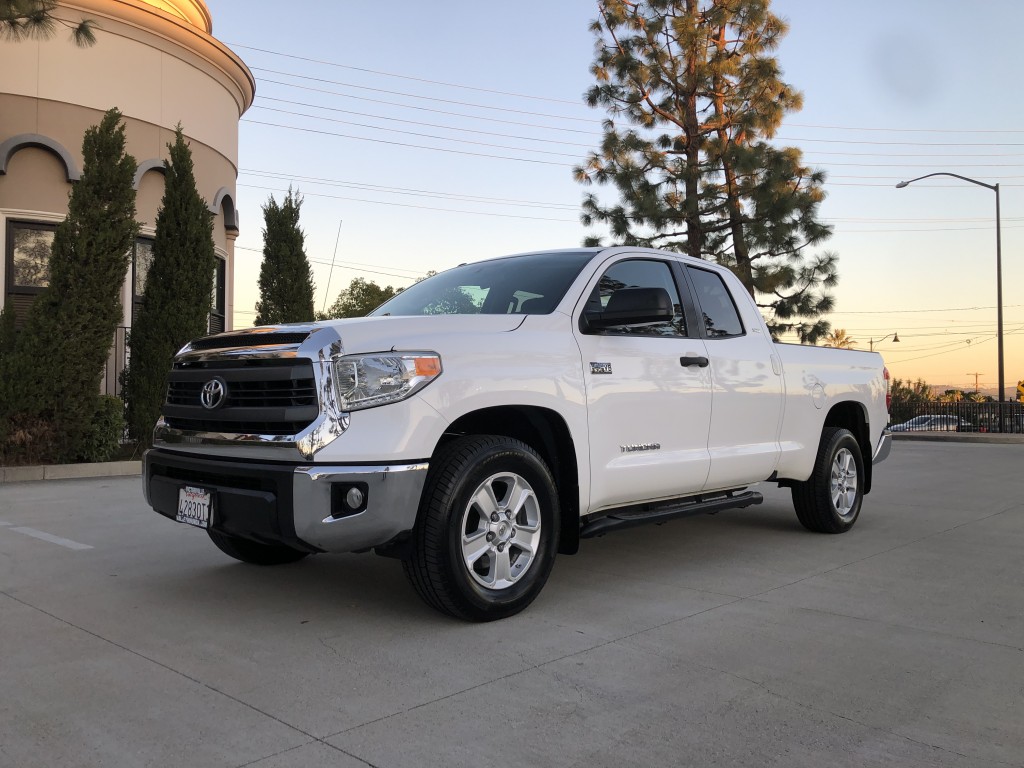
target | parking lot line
[{"x": 50, "y": 538}]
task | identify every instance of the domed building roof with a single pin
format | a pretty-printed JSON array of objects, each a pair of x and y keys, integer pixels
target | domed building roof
[{"x": 194, "y": 12}]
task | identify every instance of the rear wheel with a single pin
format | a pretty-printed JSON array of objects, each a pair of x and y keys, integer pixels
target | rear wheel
[
  {"x": 830, "y": 500},
  {"x": 487, "y": 531},
  {"x": 254, "y": 552}
]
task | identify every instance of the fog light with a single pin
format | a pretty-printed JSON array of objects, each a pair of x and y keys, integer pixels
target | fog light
[
  {"x": 354, "y": 498},
  {"x": 348, "y": 499}
]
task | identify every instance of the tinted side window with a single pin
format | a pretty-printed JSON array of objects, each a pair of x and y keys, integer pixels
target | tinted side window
[
  {"x": 716, "y": 306},
  {"x": 639, "y": 274}
]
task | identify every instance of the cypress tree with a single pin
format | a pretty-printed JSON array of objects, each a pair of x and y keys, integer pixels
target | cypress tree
[
  {"x": 178, "y": 290},
  {"x": 51, "y": 369},
  {"x": 286, "y": 280},
  {"x": 694, "y": 95}
]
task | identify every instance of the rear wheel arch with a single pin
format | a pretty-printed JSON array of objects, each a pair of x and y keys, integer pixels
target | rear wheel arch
[
  {"x": 546, "y": 432},
  {"x": 852, "y": 416}
]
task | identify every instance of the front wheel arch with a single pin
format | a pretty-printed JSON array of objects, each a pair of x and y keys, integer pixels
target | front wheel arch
[{"x": 473, "y": 483}]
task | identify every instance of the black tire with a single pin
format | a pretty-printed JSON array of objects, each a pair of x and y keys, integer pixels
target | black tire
[
  {"x": 838, "y": 475},
  {"x": 254, "y": 552},
  {"x": 455, "y": 516}
]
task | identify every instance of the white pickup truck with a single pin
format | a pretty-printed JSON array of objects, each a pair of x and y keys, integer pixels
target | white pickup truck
[{"x": 495, "y": 414}]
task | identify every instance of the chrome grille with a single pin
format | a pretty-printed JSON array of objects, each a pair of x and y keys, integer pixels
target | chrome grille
[{"x": 264, "y": 396}]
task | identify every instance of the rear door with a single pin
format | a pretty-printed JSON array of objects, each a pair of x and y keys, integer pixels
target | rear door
[
  {"x": 746, "y": 379},
  {"x": 648, "y": 396}
]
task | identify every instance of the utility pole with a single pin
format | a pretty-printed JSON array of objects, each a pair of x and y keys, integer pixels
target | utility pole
[
  {"x": 327, "y": 290},
  {"x": 975, "y": 375}
]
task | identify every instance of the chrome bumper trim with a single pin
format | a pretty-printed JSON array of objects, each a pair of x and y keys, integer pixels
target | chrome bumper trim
[{"x": 392, "y": 503}]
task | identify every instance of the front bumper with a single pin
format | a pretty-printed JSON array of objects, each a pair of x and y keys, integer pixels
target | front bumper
[{"x": 299, "y": 506}]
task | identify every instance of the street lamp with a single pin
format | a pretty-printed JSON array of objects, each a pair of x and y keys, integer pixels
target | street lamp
[
  {"x": 895, "y": 340},
  {"x": 999, "y": 275}
]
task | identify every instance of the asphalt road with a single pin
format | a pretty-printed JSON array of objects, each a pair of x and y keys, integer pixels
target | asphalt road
[{"x": 734, "y": 640}]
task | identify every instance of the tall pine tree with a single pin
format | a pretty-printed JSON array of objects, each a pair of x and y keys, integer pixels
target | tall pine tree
[
  {"x": 286, "y": 280},
  {"x": 178, "y": 290},
  {"x": 22, "y": 19},
  {"x": 50, "y": 370},
  {"x": 694, "y": 95}
]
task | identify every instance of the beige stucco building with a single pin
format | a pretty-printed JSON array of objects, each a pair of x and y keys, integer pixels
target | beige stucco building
[{"x": 158, "y": 63}]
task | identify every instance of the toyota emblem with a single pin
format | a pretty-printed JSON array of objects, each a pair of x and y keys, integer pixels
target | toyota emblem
[{"x": 213, "y": 393}]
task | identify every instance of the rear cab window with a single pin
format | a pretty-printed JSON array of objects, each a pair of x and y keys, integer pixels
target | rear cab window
[{"x": 718, "y": 314}]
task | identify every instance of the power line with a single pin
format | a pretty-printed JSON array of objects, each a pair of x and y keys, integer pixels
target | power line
[
  {"x": 422, "y": 135},
  {"x": 903, "y": 130},
  {"x": 428, "y": 109},
  {"x": 418, "y": 122},
  {"x": 406, "y": 144},
  {"x": 573, "y": 101},
  {"x": 410, "y": 205},
  {"x": 343, "y": 84},
  {"x": 906, "y": 143},
  {"x": 345, "y": 265},
  {"x": 909, "y": 311},
  {"x": 406, "y": 191},
  {"x": 403, "y": 77}
]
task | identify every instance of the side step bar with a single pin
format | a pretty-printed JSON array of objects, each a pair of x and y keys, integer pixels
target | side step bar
[{"x": 660, "y": 512}]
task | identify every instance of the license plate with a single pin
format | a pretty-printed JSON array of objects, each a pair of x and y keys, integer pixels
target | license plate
[{"x": 194, "y": 506}]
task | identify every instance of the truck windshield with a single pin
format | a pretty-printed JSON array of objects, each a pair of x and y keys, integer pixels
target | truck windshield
[{"x": 531, "y": 284}]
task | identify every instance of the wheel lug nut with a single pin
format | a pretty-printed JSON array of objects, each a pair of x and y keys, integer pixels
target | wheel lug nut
[
  {"x": 501, "y": 547},
  {"x": 490, "y": 537},
  {"x": 494, "y": 517},
  {"x": 508, "y": 513},
  {"x": 513, "y": 532}
]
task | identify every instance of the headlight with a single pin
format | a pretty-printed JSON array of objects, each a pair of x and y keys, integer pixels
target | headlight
[{"x": 364, "y": 381}]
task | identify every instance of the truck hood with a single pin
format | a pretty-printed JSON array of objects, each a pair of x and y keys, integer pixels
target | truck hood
[{"x": 428, "y": 332}]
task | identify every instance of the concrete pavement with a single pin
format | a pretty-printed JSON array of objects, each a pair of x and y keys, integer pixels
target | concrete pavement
[{"x": 738, "y": 639}]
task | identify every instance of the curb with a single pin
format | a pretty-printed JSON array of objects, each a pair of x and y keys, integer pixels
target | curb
[
  {"x": 70, "y": 471},
  {"x": 960, "y": 437}
]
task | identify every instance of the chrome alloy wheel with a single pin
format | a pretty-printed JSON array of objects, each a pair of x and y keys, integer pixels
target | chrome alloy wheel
[
  {"x": 500, "y": 530},
  {"x": 844, "y": 483}
]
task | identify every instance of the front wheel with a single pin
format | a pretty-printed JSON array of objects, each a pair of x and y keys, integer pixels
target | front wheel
[
  {"x": 830, "y": 500},
  {"x": 487, "y": 530}
]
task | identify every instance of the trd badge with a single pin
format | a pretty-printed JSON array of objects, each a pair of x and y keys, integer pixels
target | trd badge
[{"x": 600, "y": 367}]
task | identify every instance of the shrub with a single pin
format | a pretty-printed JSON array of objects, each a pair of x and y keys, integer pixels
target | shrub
[{"x": 106, "y": 431}]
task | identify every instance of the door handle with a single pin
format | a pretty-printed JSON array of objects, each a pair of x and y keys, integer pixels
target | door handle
[{"x": 699, "y": 361}]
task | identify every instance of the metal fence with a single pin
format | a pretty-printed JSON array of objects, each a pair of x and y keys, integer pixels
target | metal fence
[{"x": 963, "y": 416}]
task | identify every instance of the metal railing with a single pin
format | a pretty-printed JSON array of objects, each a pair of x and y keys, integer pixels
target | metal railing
[
  {"x": 117, "y": 361},
  {"x": 960, "y": 416}
]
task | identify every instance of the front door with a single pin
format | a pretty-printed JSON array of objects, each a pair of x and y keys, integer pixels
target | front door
[{"x": 648, "y": 396}]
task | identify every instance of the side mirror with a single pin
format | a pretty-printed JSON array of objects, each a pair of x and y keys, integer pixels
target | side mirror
[{"x": 631, "y": 306}]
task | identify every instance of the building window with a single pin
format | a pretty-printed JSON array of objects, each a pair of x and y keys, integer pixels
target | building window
[
  {"x": 217, "y": 324},
  {"x": 142, "y": 260},
  {"x": 29, "y": 245}
]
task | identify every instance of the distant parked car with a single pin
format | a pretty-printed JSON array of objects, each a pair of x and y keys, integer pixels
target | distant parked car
[{"x": 932, "y": 423}]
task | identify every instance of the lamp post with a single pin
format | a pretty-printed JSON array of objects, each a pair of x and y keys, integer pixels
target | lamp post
[
  {"x": 895, "y": 340},
  {"x": 999, "y": 275}
]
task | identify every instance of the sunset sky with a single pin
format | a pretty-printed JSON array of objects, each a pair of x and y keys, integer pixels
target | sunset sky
[{"x": 423, "y": 135}]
